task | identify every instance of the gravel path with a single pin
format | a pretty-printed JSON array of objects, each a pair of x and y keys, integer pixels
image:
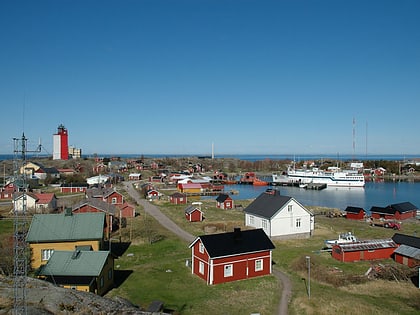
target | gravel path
[{"x": 154, "y": 211}]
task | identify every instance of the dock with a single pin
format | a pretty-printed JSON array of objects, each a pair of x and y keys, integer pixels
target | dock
[{"x": 313, "y": 186}]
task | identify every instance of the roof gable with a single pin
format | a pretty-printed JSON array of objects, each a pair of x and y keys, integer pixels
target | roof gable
[
  {"x": 235, "y": 243},
  {"x": 403, "y": 207},
  {"x": 267, "y": 204},
  {"x": 62, "y": 227},
  {"x": 191, "y": 209},
  {"x": 222, "y": 198}
]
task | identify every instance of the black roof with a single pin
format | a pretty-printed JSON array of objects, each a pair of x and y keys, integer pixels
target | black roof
[
  {"x": 267, "y": 204},
  {"x": 236, "y": 242},
  {"x": 403, "y": 207},
  {"x": 222, "y": 198},
  {"x": 354, "y": 209},
  {"x": 408, "y": 240},
  {"x": 386, "y": 210}
]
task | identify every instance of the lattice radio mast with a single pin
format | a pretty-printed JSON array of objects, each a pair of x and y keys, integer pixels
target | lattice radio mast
[{"x": 20, "y": 263}]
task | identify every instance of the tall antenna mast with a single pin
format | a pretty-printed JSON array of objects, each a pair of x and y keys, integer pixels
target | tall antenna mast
[
  {"x": 354, "y": 137},
  {"x": 20, "y": 262}
]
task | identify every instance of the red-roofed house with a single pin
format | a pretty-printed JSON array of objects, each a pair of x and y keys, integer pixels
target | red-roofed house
[{"x": 46, "y": 202}]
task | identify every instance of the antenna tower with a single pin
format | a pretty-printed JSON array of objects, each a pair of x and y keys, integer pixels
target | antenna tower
[
  {"x": 354, "y": 137},
  {"x": 20, "y": 262}
]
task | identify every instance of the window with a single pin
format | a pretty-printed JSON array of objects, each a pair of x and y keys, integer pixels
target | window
[
  {"x": 110, "y": 274},
  {"x": 228, "y": 271},
  {"x": 201, "y": 267},
  {"x": 114, "y": 200},
  {"x": 258, "y": 265},
  {"x": 251, "y": 220},
  {"x": 264, "y": 224},
  {"x": 46, "y": 254},
  {"x": 201, "y": 248},
  {"x": 298, "y": 221},
  {"x": 290, "y": 208},
  {"x": 101, "y": 285}
]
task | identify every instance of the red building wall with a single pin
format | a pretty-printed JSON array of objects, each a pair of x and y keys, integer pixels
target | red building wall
[
  {"x": 194, "y": 216},
  {"x": 359, "y": 255},
  {"x": 72, "y": 190},
  {"x": 355, "y": 216},
  {"x": 404, "y": 260},
  {"x": 243, "y": 266}
]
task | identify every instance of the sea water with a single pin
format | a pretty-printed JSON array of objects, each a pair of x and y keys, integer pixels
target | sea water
[{"x": 376, "y": 194}]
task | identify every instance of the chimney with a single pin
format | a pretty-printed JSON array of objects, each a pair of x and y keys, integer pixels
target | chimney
[
  {"x": 68, "y": 212},
  {"x": 237, "y": 235}
]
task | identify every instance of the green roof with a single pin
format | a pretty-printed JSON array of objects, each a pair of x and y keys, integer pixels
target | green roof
[
  {"x": 75, "y": 263},
  {"x": 60, "y": 227}
]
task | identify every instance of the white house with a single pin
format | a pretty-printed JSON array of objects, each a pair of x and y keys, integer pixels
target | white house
[{"x": 279, "y": 216}]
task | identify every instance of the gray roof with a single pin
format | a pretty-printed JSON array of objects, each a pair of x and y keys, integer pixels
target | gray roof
[
  {"x": 75, "y": 263},
  {"x": 190, "y": 209},
  {"x": 267, "y": 204},
  {"x": 408, "y": 251},
  {"x": 61, "y": 227},
  {"x": 98, "y": 204}
]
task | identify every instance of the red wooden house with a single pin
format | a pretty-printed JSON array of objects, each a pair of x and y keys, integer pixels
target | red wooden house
[
  {"x": 364, "y": 250},
  {"x": 127, "y": 210},
  {"x": 193, "y": 214},
  {"x": 408, "y": 251},
  {"x": 355, "y": 213},
  {"x": 237, "y": 255},
  {"x": 178, "y": 198},
  {"x": 224, "y": 201},
  {"x": 397, "y": 211},
  {"x": 7, "y": 191},
  {"x": 108, "y": 195}
]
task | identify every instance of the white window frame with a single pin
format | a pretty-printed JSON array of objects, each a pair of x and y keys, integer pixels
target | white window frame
[
  {"x": 251, "y": 220},
  {"x": 228, "y": 270},
  {"x": 201, "y": 248},
  {"x": 264, "y": 224},
  {"x": 201, "y": 267},
  {"x": 46, "y": 254},
  {"x": 259, "y": 265},
  {"x": 289, "y": 208},
  {"x": 298, "y": 222},
  {"x": 114, "y": 200}
]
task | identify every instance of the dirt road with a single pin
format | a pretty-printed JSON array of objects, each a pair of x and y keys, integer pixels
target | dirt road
[{"x": 171, "y": 226}]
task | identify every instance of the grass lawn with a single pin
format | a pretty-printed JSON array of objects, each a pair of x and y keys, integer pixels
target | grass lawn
[{"x": 159, "y": 271}]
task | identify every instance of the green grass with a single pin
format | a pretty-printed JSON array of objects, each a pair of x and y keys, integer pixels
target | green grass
[
  {"x": 159, "y": 272},
  {"x": 187, "y": 294}
]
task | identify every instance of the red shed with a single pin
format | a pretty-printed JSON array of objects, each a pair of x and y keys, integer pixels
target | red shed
[
  {"x": 193, "y": 214},
  {"x": 355, "y": 213},
  {"x": 224, "y": 201},
  {"x": 408, "y": 251},
  {"x": 237, "y": 255},
  {"x": 364, "y": 250},
  {"x": 127, "y": 210},
  {"x": 73, "y": 188},
  {"x": 178, "y": 198},
  {"x": 397, "y": 211}
]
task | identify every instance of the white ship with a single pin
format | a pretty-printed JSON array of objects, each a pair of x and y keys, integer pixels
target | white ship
[{"x": 333, "y": 178}]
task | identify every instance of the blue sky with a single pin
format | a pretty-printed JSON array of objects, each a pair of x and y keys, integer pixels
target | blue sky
[{"x": 173, "y": 77}]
